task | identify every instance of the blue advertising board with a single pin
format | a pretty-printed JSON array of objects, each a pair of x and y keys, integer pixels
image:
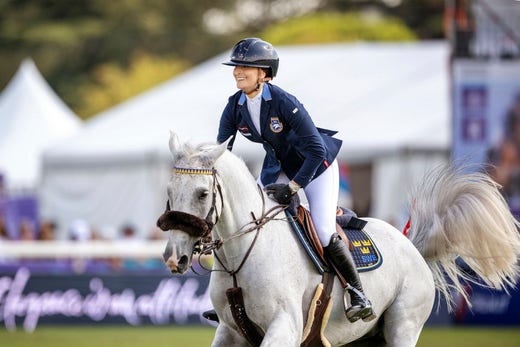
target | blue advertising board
[{"x": 489, "y": 307}]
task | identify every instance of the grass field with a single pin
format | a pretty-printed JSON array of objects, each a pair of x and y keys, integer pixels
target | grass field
[{"x": 201, "y": 336}]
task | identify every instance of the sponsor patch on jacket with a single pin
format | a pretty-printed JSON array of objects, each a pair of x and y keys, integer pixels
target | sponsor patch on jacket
[
  {"x": 244, "y": 130},
  {"x": 276, "y": 126}
]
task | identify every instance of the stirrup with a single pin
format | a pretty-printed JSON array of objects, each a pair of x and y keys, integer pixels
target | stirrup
[{"x": 365, "y": 312}]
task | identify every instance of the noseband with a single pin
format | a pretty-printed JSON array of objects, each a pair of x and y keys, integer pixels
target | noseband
[{"x": 191, "y": 224}]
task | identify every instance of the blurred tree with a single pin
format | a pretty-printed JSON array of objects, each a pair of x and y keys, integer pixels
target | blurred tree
[
  {"x": 113, "y": 84},
  {"x": 74, "y": 43},
  {"x": 69, "y": 40},
  {"x": 337, "y": 27},
  {"x": 424, "y": 17}
]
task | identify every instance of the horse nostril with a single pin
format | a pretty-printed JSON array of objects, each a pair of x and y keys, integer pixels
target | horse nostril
[
  {"x": 182, "y": 264},
  {"x": 183, "y": 261}
]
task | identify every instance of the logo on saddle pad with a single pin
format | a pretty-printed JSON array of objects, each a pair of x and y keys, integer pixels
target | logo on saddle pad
[{"x": 365, "y": 253}]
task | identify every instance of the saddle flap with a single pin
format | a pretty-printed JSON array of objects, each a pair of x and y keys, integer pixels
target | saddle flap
[{"x": 304, "y": 218}]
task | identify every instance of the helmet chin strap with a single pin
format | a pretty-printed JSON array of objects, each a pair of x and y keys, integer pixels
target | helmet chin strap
[
  {"x": 257, "y": 88},
  {"x": 259, "y": 83}
]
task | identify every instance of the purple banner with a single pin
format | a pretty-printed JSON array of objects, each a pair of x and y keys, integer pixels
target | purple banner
[{"x": 28, "y": 300}]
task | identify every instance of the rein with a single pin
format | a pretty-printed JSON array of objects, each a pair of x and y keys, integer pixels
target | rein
[{"x": 266, "y": 217}]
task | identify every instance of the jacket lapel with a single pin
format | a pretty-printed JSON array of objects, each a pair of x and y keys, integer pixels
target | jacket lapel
[{"x": 265, "y": 109}]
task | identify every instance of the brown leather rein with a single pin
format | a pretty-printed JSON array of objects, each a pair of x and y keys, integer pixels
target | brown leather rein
[
  {"x": 198, "y": 227},
  {"x": 256, "y": 225}
]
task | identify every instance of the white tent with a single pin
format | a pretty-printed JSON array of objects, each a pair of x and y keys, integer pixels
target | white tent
[
  {"x": 385, "y": 99},
  {"x": 32, "y": 118}
]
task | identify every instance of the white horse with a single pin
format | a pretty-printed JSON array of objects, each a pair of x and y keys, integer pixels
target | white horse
[{"x": 452, "y": 216}]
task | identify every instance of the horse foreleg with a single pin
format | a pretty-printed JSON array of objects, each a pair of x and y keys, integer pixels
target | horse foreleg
[
  {"x": 225, "y": 337},
  {"x": 284, "y": 331}
]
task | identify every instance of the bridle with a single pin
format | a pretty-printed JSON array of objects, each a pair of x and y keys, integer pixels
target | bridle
[
  {"x": 191, "y": 224},
  {"x": 202, "y": 228}
]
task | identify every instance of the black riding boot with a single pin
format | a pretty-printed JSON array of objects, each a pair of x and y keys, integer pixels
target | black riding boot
[{"x": 360, "y": 307}]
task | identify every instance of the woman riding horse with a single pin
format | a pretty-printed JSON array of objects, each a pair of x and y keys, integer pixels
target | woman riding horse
[{"x": 298, "y": 154}]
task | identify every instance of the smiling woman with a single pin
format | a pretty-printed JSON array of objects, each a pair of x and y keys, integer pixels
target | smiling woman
[{"x": 248, "y": 79}]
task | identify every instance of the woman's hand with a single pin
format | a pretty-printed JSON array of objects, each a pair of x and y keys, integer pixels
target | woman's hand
[{"x": 281, "y": 193}]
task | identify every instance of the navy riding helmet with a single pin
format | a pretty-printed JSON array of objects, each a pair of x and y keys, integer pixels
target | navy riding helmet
[{"x": 256, "y": 53}]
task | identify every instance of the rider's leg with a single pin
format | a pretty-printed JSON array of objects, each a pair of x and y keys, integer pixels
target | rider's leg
[
  {"x": 322, "y": 195},
  {"x": 360, "y": 307}
]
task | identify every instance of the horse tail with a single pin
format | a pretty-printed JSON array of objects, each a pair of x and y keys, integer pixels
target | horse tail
[{"x": 455, "y": 214}]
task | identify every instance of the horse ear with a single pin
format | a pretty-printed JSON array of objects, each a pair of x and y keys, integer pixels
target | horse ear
[
  {"x": 212, "y": 153},
  {"x": 175, "y": 145},
  {"x": 226, "y": 143},
  {"x": 223, "y": 146}
]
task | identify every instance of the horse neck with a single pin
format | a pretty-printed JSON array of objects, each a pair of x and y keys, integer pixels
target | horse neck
[{"x": 242, "y": 197}]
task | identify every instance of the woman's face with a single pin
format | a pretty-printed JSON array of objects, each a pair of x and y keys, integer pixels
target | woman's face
[{"x": 247, "y": 78}]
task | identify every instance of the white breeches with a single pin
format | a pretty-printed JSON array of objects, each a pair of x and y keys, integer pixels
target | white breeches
[{"x": 322, "y": 194}]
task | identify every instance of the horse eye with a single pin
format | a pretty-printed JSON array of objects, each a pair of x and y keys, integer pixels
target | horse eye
[{"x": 203, "y": 195}]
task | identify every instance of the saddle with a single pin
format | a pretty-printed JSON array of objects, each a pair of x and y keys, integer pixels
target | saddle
[{"x": 350, "y": 229}]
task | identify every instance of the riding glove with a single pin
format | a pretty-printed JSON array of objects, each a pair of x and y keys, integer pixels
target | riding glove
[{"x": 281, "y": 193}]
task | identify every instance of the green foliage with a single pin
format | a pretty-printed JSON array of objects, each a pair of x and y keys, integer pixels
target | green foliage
[
  {"x": 113, "y": 84},
  {"x": 75, "y": 43},
  {"x": 424, "y": 17},
  {"x": 337, "y": 27},
  {"x": 64, "y": 33}
]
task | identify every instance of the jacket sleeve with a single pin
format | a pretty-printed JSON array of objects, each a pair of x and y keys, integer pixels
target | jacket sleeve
[
  {"x": 309, "y": 141},
  {"x": 227, "y": 126}
]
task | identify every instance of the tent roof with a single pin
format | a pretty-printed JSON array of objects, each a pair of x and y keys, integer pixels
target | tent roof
[
  {"x": 380, "y": 96},
  {"x": 32, "y": 117}
]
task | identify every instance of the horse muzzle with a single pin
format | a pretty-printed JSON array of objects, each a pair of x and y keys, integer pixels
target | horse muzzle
[{"x": 177, "y": 264}]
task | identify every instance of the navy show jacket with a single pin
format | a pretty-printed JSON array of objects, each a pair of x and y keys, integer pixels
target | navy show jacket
[{"x": 291, "y": 140}]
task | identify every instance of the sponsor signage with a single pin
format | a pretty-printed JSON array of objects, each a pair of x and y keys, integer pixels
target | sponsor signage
[{"x": 28, "y": 300}]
